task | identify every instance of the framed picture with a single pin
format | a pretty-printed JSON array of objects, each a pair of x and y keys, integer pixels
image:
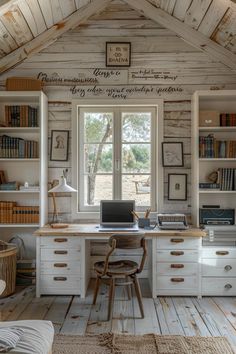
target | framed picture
[
  {"x": 118, "y": 53},
  {"x": 59, "y": 145},
  {"x": 172, "y": 154},
  {"x": 177, "y": 186}
]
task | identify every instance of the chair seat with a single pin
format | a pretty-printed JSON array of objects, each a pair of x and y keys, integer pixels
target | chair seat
[{"x": 121, "y": 267}]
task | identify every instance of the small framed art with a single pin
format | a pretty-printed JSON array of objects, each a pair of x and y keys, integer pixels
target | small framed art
[
  {"x": 59, "y": 145},
  {"x": 172, "y": 154},
  {"x": 118, "y": 53},
  {"x": 177, "y": 186}
]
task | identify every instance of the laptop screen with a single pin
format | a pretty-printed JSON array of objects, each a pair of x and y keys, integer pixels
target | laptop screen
[{"x": 117, "y": 213}]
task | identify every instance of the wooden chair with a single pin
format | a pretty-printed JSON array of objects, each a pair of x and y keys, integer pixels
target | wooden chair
[{"x": 109, "y": 271}]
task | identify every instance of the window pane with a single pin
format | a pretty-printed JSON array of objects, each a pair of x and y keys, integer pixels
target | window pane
[
  {"x": 98, "y": 127},
  {"x": 136, "y": 127},
  {"x": 98, "y": 158},
  {"x": 96, "y": 188},
  {"x": 136, "y": 158},
  {"x": 137, "y": 187}
]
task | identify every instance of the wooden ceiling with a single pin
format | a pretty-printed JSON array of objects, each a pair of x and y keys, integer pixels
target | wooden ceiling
[{"x": 28, "y": 26}]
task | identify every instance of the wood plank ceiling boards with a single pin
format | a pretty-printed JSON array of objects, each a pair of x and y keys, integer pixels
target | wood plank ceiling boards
[
  {"x": 35, "y": 44},
  {"x": 28, "y": 26}
]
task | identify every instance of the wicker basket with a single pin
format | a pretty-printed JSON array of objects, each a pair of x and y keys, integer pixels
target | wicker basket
[{"x": 8, "y": 267}]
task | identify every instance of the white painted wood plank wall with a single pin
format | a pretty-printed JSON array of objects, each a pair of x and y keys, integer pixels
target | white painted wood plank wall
[{"x": 162, "y": 66}]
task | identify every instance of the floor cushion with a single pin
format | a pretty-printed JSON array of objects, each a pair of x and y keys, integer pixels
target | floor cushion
[{"x": 37, "y": 338}]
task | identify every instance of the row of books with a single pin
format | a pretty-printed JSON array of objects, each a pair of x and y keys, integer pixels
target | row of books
[
  {"x": 209, "y": 147},
  {"x": 209, "y": 185},
  {"x": 11, "y": 213},
  {"x": 228, "y": 119},
  {"x": 227, "y": 179},
  {"x": 11, "y": 147},
  {"x": 21, "y": 116}
]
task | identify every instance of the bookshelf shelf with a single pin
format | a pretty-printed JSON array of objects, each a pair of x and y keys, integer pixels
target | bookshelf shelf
[
  {"x": 217, "y": 129},
  {"x": 20, "y": 160},
  {"x": 217, "y": 159},
  {"x": 19, "y": 225},
  {"x": 210, "y": 191},
  {"x": 24, "y": 135},
  {"x": 19, "y": 129},
  {"x": 18, "y": 192}
]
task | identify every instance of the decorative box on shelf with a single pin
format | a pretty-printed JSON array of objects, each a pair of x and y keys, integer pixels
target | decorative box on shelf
[
  {"x": 23, "y": 84},
  {"x": 209, "y": 119}
]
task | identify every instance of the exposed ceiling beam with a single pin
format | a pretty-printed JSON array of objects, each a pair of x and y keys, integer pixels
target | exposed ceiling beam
[
  {"x": 48, "y": 37},
  {"x": 193, "y": 37}
]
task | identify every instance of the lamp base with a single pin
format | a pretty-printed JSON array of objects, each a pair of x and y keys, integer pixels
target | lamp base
[{"x": 59, "y": 225}]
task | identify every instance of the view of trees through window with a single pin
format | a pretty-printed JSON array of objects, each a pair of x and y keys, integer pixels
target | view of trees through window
[{"x": 117, "y": 146}]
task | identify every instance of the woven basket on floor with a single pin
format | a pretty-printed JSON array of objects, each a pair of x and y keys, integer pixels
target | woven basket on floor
[{"x": 8, "y": 267}]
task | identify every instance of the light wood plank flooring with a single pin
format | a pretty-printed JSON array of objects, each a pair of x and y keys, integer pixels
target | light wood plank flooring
[{"x": 209, "y": 316}]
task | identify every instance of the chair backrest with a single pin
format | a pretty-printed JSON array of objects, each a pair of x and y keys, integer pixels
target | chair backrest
[
  {"x": 126, "y": 241},
  {"x": 2, "y": 286}
]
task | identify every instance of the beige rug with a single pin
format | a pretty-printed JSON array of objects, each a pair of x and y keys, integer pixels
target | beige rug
[{"x": 148, "y": 344}]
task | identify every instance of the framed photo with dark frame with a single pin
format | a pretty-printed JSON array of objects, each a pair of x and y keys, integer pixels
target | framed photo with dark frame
[
  {"x": 177, "y": 186},
  {"x": 59, "y": 145},
  {"x": 118, "y": 53},
  {"x": 172, "y": 154}
]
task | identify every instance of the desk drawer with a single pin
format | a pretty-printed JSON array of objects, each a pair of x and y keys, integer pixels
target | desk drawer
[
  {"x": 178, "y": 242},
  {"x": 177, "y": 255},
  {"x": 51, "y": 254},
  {"x": 177, "y": 282},
  {"x": 60, "y": 242},
  {"x": 218, "y": 252},
  {"x": 65, "y": 285},
  {"x": 218, "y": 286},
  {"x": 60, "y": 268},
  {"x": 225, "y": 267},
  {"x": 177, "y": 269}
]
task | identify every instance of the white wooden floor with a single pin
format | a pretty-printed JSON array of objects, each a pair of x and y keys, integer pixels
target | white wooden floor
[{"x": 215, "y": 316}]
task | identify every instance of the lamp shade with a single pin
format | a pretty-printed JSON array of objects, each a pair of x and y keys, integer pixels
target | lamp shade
[{"x": 62, "y": 187}]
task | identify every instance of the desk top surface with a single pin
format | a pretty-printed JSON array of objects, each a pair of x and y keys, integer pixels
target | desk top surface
[{"x": 92, "y": 230}]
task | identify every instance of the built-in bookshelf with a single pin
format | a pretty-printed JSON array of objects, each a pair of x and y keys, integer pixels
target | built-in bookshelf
[
  {"x": 214, "y": 152},
  {"x": 23, "y": 159}
]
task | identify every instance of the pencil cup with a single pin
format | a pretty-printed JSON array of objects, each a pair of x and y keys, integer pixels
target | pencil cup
[{"x": 143, "y": 222}]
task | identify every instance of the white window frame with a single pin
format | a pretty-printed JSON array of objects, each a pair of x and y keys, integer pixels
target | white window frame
[{"x": 157, "y": 183}]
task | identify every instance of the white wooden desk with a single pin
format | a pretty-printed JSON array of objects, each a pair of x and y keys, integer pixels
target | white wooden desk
[{"x": 63, "y": 257}]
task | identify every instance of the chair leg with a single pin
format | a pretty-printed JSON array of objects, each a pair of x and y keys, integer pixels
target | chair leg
[
  {"x": 97, "y": 284},
  {"x": 111, "y": 298},
  {"x": 128, "y": 288},
  {"x": 139, "y": 295}
]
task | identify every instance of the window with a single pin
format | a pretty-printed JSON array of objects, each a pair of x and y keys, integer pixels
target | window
[{"x": 115, "y": 154}]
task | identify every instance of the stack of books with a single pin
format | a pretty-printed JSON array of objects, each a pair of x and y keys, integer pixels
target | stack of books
[
  {"x": 21, "y": 116},
  {"x": 227, "y": 179},
  {"x": 11, "y": 213},
  {"x": 209, "y": 147},
  {"x": 228, "y": 119},
  {"x": 209, "y": 185},
  {"x": 11, "y": 147},
  {"x": 29, "y": 188},
  {"x": 9, "y": 186}
]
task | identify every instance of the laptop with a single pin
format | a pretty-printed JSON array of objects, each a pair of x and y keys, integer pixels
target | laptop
[{"x": 116, "y": 215}]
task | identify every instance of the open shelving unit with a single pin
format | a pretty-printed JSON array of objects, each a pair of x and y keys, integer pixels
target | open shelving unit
[
  {"x": 223, "y": 102},
  {"x": 31, "y": 170},
  {"x": 218, "y": 277}
]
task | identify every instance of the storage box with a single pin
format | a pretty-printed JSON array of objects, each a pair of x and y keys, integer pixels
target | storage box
[
  {"x": 209, "y": 119},
  {"x": 23, "y": 84}
]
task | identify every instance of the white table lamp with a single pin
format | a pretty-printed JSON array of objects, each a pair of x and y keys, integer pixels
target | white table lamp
[{"x": 62, "y": 187}]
